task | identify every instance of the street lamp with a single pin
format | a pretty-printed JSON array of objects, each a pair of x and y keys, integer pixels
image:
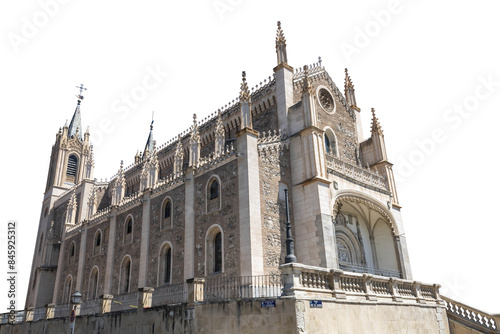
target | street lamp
[{"x": 76, "y": 299}]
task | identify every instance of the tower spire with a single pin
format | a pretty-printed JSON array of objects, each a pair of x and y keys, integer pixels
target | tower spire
[
  {"x": 150, "y": 141},
  {"x": 245, "y": 103},
  {"x": 281, "y": 45},
  {"x": 75, "y": 126}
]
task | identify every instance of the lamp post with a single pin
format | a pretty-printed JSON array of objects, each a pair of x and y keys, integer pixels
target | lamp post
[
  {"x": 76, "y": 299},
  {"x": 290, "y": 256}
]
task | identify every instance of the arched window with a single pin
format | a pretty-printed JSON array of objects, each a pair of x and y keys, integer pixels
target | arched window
[
  {"x": 93, "y": 283},
  {"x": 165, "y": 265},
  {"x": 330, "y": 142},
  {"x": 214, "y": 250},
  {"x": 166, "y": 220},
  {"x": 125, "y": 275},
  {"x": 218, "y": 253},
  {"x": 213, "y": 194},
  {"x": 97, "y": 242},
  {"x": 71, "y": 168},
  {"x": 66, "y": 297},
  {"x": 128, "y": 230}
]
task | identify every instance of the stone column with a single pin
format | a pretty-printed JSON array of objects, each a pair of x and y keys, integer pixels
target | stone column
[
  {"x": 195, "y": 288},
  {"x": 146, "y": 220},
  {"x": 145, "y": 299},
  {"x": 111, "y": 253},
  {"x": 251, "y": 252},
  {"x": 189, "y": 201},
  {"x": 105, "y": 303},
  {"x": 81, "y": 257}
]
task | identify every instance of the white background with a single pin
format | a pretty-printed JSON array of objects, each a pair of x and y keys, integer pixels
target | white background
[{"x": 414, "y": 65}]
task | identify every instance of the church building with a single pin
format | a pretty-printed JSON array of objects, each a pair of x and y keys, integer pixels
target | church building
[{"x": 212, "y": 205}]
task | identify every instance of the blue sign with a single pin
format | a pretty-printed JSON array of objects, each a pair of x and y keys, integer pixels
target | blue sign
[
  {"x": 268, "y": 303},
  {"x": 315, "y": 304}
]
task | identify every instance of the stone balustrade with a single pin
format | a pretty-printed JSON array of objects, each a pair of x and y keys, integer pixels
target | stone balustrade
[
  {"x": 471, "y": 317},
  {"x": 355, "y": 173},
  {"x": 303, "y": 281}
]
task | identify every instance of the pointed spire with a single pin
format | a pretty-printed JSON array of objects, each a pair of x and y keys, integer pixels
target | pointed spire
[
  {"x": 194, "y": 144},
  {"x": 150, "y": 141},
  {"x": 76, "y": 120},
  {"x": 71, "y": 209},
  {"x": 281, "y": 45},
  {"x": 220, "y": 135},
  {"x": 245, "y": 104},
  {"x": 178, "y": 158},
  {"x": 376, "y": 128}
]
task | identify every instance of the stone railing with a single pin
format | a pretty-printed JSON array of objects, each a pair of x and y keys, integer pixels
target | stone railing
[
  {"x": 301, "y": 281},
  {"x": 226, "y": 288},
  {"x": 471, "y": 317},
  {"x": 355, "y": 173}
]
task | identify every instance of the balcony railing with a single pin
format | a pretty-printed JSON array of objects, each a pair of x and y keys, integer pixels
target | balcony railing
[
  {"x": 223, "y": 288},
  {"x": 471, "y": 317},
  {"x": 355, "y": 173}
]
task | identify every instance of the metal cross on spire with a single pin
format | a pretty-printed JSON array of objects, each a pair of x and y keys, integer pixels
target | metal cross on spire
[{"x": 80, "y": 96}]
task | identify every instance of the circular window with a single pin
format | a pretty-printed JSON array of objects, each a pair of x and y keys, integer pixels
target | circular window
[{"x": 326, "y": 100}]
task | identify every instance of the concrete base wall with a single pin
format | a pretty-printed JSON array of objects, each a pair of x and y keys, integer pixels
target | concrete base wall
[{"x": 288, "y": 316}]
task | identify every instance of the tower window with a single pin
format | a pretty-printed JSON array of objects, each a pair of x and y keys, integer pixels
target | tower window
[
  {"x": 166, "y": 221},
  {"x": 128, "y": 229},
  {"x": 213, "y": 194},
  {"x": 72, "y": 165},
  {"x": 218, "y": 253}
]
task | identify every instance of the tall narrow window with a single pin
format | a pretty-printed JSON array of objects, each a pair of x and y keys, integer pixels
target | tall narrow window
[
  {"x": 97, "y": 242},
  {"x": 168, "y": 210},
  {"x": 330, "y": 142},
  {"x": 166, "y": 219},
  {"x": 71, "y": 168},
  {"x": 72, "y": 253},
  {"x": 93, "y": 283},
  {"x": 125, "y": 276},
  {"x": 213, "y": 194},
  {"x": 128, "y": 230},
  {"x": 327, "y": 145},
  {"x": 40, "y": 244},
  {"x": 168, "y": 265},
  {"x": 218, "y": 253}
]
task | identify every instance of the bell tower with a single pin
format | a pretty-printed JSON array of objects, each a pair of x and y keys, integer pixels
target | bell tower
[
  {"x": 71, "y": 164},
  {"x": 71, "y": 160}
]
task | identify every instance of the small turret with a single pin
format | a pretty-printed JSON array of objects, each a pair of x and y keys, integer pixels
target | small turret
[
  {"x": 245, "y": 104},
  {"x": 194, "y": 144}
]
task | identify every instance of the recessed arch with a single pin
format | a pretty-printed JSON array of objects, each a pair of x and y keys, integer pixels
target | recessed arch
[
  {"x": 93, "y": 283},
  {"x": 67, "y": 289}
]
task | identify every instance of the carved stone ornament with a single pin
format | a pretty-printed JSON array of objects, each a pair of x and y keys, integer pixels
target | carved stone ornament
[{"x": 326, "y": 100}]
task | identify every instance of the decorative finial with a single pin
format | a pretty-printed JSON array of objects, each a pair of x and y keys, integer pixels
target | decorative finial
[
  {"x": 281, "y": 45},
  {"x": 80, "y": 96},
  {"x": 121, "y": 164},
  {"x": 348, "y": 81},
  {"x": 280, "y": 36},
  {"x": 376, "y": 127},
  {"x": 319, "y": 61},
  {"x": 307, "y": 80},
  {"x": 244, "y": 92}
]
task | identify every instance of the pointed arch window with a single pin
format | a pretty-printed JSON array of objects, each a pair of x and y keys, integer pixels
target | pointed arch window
[
  {"x": 72, "y": 253},
  {"x": 218, "y": 253}
]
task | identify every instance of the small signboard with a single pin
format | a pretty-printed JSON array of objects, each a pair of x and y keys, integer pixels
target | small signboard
[
  {"x": 316, "y": 304},
  {"x": 268, "y": 303}
]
